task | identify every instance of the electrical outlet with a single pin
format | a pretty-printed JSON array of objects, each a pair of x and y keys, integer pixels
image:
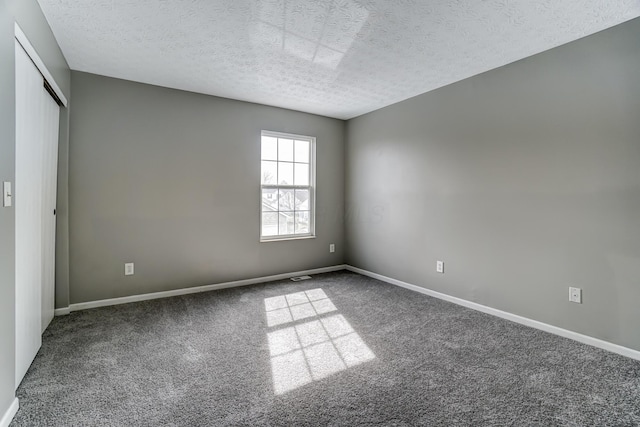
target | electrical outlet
[
  {"x": 128, "y": 269},
  {"x": 575, "y": 295},
  {"x": 332, "y": 248},
  {"x": 440, "y": 267}
]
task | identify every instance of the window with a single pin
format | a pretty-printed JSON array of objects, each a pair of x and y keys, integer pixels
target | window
[{"x": 287, "y": 186}]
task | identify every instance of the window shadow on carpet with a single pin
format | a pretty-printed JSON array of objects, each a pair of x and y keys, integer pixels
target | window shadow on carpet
[{"x": 309, "y": 339}]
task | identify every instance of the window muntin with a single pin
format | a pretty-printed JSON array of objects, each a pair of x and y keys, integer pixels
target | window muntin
[{"x": 287, "y": 186}]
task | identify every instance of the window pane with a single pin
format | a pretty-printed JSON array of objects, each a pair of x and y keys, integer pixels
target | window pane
[
  {"x": 269, "y": 223},
  {"x": 269, "y": 173},
  {"x": 302, "y": 222},
  {"x": 286, "y": 223},
  {"x": 301, "y": 174},
  {"x": 269, "y": 148},
  {"x": 302, "y": 200},
  {"x": 286, "y": 202},
  {"x": 269, "y": 199},
  {"x": 302, "y": 151},
  {"x": 285, "y": 173},
  {"x": 285, "y": 150}
]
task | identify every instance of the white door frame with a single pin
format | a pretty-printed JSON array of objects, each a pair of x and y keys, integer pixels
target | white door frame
[{"x": 31, "y": 51}]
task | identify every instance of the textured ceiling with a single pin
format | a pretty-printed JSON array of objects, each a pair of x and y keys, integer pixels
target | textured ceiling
[{"x": 338, "y": 58}]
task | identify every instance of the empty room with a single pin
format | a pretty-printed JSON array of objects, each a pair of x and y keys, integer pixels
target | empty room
[{"x": 319, "y": 213}]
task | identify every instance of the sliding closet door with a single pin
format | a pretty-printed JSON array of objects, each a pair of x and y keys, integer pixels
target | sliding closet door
[
  {"x": 37, "y": 120},
  {"x": 51, "y": 122},
  {"x": 28, "y": 206}
]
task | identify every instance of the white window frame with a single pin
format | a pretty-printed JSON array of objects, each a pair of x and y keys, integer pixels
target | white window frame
[{"x": 312, "y": 187}]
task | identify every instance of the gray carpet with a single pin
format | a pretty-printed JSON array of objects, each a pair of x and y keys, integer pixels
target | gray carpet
[{"x": 341, "y": 349}]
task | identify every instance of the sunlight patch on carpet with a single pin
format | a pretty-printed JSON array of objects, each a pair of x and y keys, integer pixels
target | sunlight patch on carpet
[{"x": 311, "y": 350}]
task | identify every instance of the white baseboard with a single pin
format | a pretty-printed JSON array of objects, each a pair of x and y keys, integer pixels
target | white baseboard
[
  {"x": 62, "y": 311},
  {"x": 194, "y": 290},
  {"x": 585, "y": 339},
  {"x": 10, "y": 413}
]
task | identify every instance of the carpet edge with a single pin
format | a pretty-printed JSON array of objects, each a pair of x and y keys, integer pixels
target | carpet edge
[
  {"x": 556, "y": 330},
  {"x": 193, "y": 290}
]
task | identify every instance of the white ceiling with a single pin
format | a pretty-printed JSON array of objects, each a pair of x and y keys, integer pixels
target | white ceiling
[{"x": 338, "y": 58}]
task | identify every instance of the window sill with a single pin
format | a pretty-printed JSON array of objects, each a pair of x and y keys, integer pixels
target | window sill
[{"x": 280, "y": 239}]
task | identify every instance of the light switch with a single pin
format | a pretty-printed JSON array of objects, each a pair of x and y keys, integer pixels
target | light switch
[{"x": 7, "y": 196}]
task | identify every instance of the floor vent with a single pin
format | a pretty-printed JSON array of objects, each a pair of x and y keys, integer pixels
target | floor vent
[{"x": 299, "y": 278}]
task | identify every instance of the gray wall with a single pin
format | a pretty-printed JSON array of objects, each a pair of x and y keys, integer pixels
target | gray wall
[
  {"x": 170, "y": 180},
  {"x": 525, "y": 180},
  {"x": 28, "y": 14}
]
